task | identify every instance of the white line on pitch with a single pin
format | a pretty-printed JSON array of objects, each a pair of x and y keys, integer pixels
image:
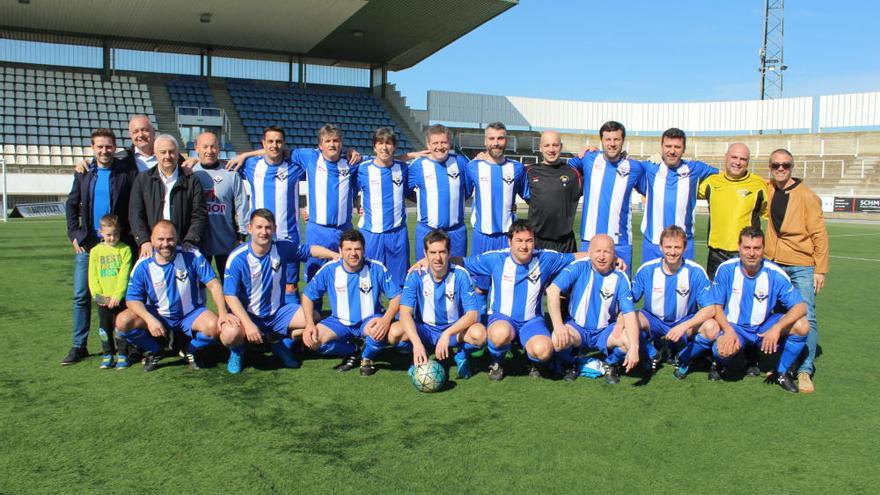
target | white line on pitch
[
  {"x": 853, "y": 258},
  {"x": 854, "y": 235}
]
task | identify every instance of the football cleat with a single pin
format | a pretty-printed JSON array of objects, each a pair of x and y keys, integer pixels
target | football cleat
[
  {"x": 368, "y": 368},
  {"x": 571, "y": 374},
  {"x": 348, "y": 363},
  {"x": 463, "y": 366},
  {"x": 192, "y": 359},
  {"x": 612, "y": 374},
  {"x": 714, "y": 372},
  {"x": 753, "y": 371},
  {"x": 151, "y": 361},
  {"x": 236, "y": 362},
  {"x": 785, "y": 382},
  {"x": 496, "y": 372},
  {"x": 534, "y": 370},
  {"x": 107, "y": 362},
  {"x": 680, "y": 372}
]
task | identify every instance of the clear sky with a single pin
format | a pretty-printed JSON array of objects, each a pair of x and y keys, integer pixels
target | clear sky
[{"x": 654, "y": 51}]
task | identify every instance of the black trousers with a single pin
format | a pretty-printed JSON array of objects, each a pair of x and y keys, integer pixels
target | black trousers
[
  {"x": 110, "y": 342},
  {"x": 564, "y": 244},
  {"x": 716, "y": 257},
  {"x": 220, "y": 261}
]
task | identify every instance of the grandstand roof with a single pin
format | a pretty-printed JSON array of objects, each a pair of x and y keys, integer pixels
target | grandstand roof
[{"x": 353, "y": 33}]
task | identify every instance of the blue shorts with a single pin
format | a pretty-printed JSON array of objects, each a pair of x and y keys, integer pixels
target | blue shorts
[
  {"x": 658, "y": 327},
  {"x": 430, "y": 334},
  {"x": 593, "y": 339},
  {"x": 182, "y": 325},
  {"x": 279, "y": 323},
  {"x": 651, "y": 251},
  {"x": 484, "y": 243},
  {"x": 391, "y": 249},
  {"x": 457, "y": 240},
  {"x": 623, "y": 251},
  {"x": 523, "y": 330},
  {"x": 749, "y": 337},
  {"x": 324, "y": 236},
  {"x": 346, "y": 332},
  {"x": 293, "y": 267}
]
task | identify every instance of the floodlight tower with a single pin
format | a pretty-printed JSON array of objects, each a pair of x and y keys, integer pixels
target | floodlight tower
[{"x": 771, "y": 50}]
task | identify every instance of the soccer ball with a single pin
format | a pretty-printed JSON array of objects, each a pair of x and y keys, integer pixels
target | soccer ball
[{"x": 428, "y": 377}]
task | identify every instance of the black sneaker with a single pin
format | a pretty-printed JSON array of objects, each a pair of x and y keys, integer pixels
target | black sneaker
[
  {"x": 496, "y": 372},
  {"x": 195, "y": 363},
  {"x": 571, "y": 374},
  {"x": 612, "y": 374},
  {"x": 368, "y": 368},
  {"x": 714, "y": 372},
  {"x": 753, "y": 371},
  {"x": 534, "y": 370},
  {"x": 785, "y": 381},
  {"x": 348, "y": 363},
  {"x": 75, "y": 355},
  {"x": 655, "y": 365},
  {"x": 151, "y": 361}
]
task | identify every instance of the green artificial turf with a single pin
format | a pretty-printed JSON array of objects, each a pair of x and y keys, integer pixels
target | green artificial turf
[{"x": 78, "y": 429}]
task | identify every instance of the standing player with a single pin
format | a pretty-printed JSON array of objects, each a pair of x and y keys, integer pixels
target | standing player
[
  {"x": 609, "y": 179},
  {"x": 354, "y": 285},
  {"x": 164, "y": 296},
  {"x": 439, "y": 308},
  {"x": 226, "y": 202},
  {"x": 747, "y": 293},
  {"x": 441, "y": 185},
  {"x": 598, "y": 294},
  {"x": 254, "y": 290},
  {"x": 554, "y": 188},
  {"x": 670, "y": 189},
  {"x": 676, "y": 292},
  {"x": 381, "y": 181}
]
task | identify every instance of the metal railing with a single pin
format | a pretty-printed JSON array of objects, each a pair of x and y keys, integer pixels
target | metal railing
[{"x": 189, "y": 111}]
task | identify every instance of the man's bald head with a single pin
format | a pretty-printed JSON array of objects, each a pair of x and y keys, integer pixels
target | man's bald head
[
  {"x": 736, "y": 160},
  {"x": 208, "y": 149},
  {"x": 602, "y": 254},
  {"x": 551, "y": 146}
]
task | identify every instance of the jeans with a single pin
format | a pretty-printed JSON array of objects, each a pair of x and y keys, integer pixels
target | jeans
[
  {"x": 82, "y": 300},
  {"x": 802, "y": 279}
]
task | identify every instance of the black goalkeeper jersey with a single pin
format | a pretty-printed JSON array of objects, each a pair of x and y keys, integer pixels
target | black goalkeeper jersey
[{"x": 555, "y": 190}]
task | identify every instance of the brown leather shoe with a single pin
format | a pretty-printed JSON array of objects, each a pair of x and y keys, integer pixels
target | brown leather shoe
[{"x": 805, "y": 383}]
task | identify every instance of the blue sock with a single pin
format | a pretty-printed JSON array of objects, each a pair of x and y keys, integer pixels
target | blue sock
[
  {"x": 337, "y": 347},
  {"x": 616, "y": 356},
  {"x": 565, "y": 356},
  {"x": 201, "y": 341},
  {"x": 794, "y": 344},
  {"x": 498, "y": 352},
  {"x": 533, "y": 358},
  {"x": 469, "y": 348},
  {"x": 239, "y": 349},
  {"x": 372, "y": 348},
  {"x": 648, "y": 345},
  {"x": 694, "y": 349},
  {"x": 404, "y": 346},
  {"x": 142, "y": 339}
]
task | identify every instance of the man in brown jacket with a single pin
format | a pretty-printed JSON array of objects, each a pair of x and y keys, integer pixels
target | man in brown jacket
[{"x": 798, "y": 242}]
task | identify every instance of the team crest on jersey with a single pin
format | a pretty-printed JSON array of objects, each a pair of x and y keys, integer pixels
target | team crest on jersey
[
  {"x": 217, "y": 178},
  {"x": 276, "y": 264},
  {"x": 452, "y": 173},
  {"x": 606, "y": 294},
  {"x": 760, "y": 295},
  {"x": 508, "y": 179},
  {"x": 682, "y": 291},
  {"x": 282, "y": 175},
  {"x": 181, "y": 274},
  {"x": 365, "y": 287},
  {"x": 450, "y": 295},
  {"x": 623, "y": 171},
  {"x": 397, "y": 181},
  {"x": 343, "y": 172},
  {"x": 743, "y": 192},
  {"x": 534, "y": 276},
  {"x": 564, "y": 179}
]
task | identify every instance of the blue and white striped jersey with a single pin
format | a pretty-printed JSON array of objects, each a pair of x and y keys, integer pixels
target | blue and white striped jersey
[
  {"x": 441, "y": 189},
  {"x": 171, "y": 289},
  {"x": 495, "y": 187},
  {"x": 595, "y": 300},
  {"x": 258, "y": 281},
  {"x": 516, "y": 289},
  {"x": 382, "y": 191},
  {"x": 354, "y": 297},
  {"x": 671, "y": 196},
  {"x": 607, "y": 191},
  {"x": 276, "y": 188},
  {"x": 748, "y": 301},
  {"x": 672, "y": 297},
  {"x": 331, "y": 187},
  {"x": 439, "y": 303}
]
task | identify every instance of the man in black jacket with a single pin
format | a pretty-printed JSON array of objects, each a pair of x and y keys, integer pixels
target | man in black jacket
[
  {"x": 165, "y": 193},
  {"x": 103, "y": 188}
]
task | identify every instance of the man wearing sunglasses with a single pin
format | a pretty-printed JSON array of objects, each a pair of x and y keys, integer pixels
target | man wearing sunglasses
[{"x": 798, "y": 242}]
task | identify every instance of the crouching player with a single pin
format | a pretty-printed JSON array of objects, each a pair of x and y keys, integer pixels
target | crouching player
[
  {"x": 597, "y": 295},
  {"x": 354, "y": 285},
  {"x": 164, "y": 296},
  {"x": 254, "y": 285},
  {"x": 439, "y": 308},
  {"x": 747, "y": 291},
  {"x": 676, "y": 292}
]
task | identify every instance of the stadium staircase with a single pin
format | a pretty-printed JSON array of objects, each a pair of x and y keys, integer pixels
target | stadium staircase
[
  {"x": 166, "y": 119},
  {"x": 237, "y": 135},
  {"x": 395, "y": 105}
]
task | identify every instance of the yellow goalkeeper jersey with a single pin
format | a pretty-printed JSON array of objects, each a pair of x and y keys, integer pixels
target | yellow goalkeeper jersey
[{"x": 733, "y": 205}]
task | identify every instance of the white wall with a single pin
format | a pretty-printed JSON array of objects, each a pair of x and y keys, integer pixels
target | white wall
[
  {"x": 39, "y": 183},
  {"x": 852, "y": 110}
]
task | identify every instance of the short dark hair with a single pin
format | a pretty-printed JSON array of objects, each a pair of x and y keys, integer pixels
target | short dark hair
[
  {"x": 263, "y": 213},
  {"x": 674, "y": 133},
  {"x": 612, "y": 126},
  {"x": 273, "y": 128},
  {"x": 384, "y": 134},
  {"x": 519, "y": 225},
  {"x": 751, "y": 232},
  {"x": 103, "y": 132},
  {"x": 436, "y": 235},
  {"x": 498, "y": 126},
  {"x": 329, "y": 129},
  {"x": 352, "y": 235},
  {"x": 674, "y": 231},
  {"x": 437, "y": 129}
]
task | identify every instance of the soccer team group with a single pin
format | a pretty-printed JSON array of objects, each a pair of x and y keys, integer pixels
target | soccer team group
[{"x": 179, "y": 215}]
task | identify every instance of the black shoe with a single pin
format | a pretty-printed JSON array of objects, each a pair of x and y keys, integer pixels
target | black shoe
[
  {"x": 151, "y": 361},
  {"x": 785, "y": 381},
  {"x": 348, "y": 363},
  {"x": 655, "y": 365},
  {"x": 368, "y": 368},
  {"x": 496, "y": 372},
  {"x": 571, "y": 374},
  {"x": 680, "y": 372},
  {"x": 535, "y": 371},
  {"x": 75, "y": 355},
  {"x": 753, "y": 371},
  {"x": 194, "y": 361},
  {"x": 612, "y": 374},
  {"x": 714, "y": 372}
]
